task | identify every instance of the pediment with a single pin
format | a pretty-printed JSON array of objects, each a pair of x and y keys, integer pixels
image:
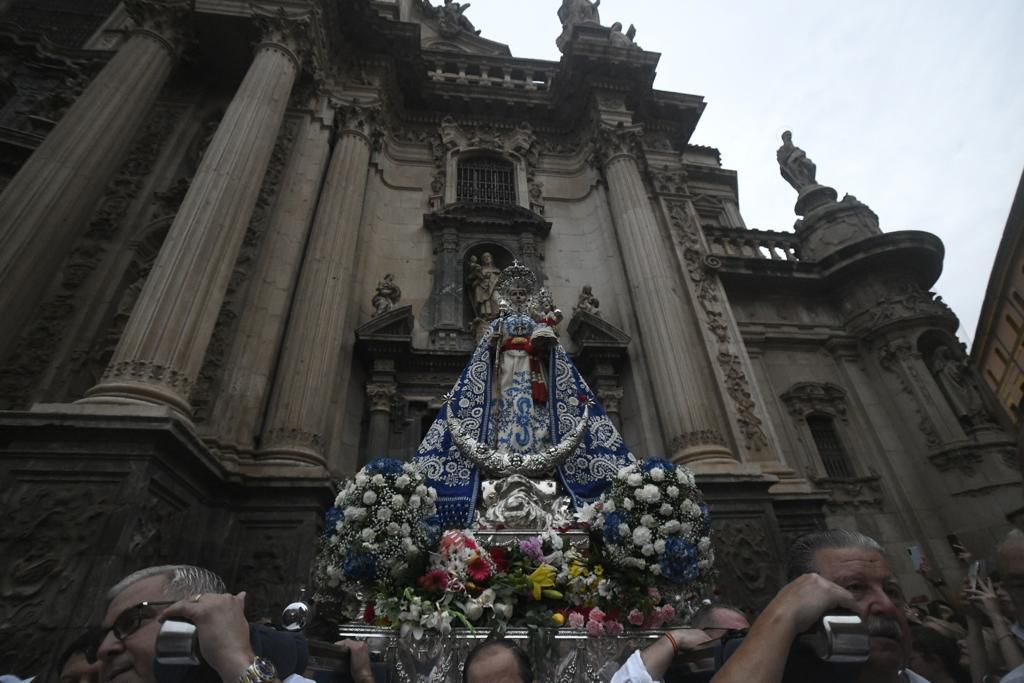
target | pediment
[
  {"x": 593, "y": 332},
  {"x": 390, "y": 326},
  {"x": 472, "y": 215}
]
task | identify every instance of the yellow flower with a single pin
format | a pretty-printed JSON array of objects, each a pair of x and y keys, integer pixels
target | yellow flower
[
  {"x": 541, "y": 578},
  {"x": 575, "y": 569},
  {"x": 558, "y": 618},
  {"x": 599, "y": 570}
]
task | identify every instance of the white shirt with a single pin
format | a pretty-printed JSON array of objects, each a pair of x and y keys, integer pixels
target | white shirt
[
  {"x": 633, "y": 671},
  {"x": 296, "y": 678},
  {"x": 1015, "y": 676}
]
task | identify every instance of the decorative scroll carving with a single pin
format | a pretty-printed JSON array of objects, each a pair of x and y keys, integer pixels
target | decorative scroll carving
[
  {"x": 165, "y": 20},
  {"x": 381, "y": 396},
  {"x": 894, "y": 357},
  {"x": 290, "y": 32},
  {"x": 738, "y": 388},
  {"x": 610, "y": 398},
  {"x": 852, "y": 495},
  {"x": 148, "y": 371},
  {"x": 906, "y": 301},
  {"x": 805, "y": 398},
  {"x": 955, "y": 378},
  {"x": 36, "y": 348},
  {"x": 965, "y": 460},
  {"x": 287, "y": 437},
  {"x": 611, "y": 143},
  {"x": 703, "y": 437},
  {"x": 157, "y": 530},
  {"x": 359, "y": 119},
  {"x": 669, "y": 181}
]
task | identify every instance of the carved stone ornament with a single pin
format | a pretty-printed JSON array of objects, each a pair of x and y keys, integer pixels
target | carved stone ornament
[
  {"x": 360, "y": 119},
  {"x": 805, "y": 398},
  {"x": 285, "y": 437},
  {"x": 381, "y": 396},
  {"x": 744, "y": 560},
  {"x": 798, "y": 170},
  {"x": 852, "y": 495},
  {"x": 165, "y": 20},
  {"x": 703, "y": 437},
  {"x": 909, "y": 302},
  {"x": 669, "y": 181},
  {"x": 387, "y": 295},
  {"x": 967, "y": 461},
  {"x": 611, "y": 143},
  {"x": 610, "y": 398},
  {"x": 587, "y": 302},
  {"x": 738, "y": 388},
  {"x": 894, "y": 357},
  {"x": 518, "y": 502},
  {"x": 288, "y": 31},
  {"x": 451, "y": 18}
]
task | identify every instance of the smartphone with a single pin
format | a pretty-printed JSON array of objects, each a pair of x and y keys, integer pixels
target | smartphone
[{"x": 916, "y": 558}]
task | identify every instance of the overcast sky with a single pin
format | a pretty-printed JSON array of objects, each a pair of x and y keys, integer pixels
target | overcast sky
[{"x": 914, "y": 106}]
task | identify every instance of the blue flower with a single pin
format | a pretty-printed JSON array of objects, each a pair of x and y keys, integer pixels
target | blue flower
[
  {"x": 431, "y": 527},
  {"x": 331, "y": 520},
  {"x": 383, "y": 466},
  {"x": 679, "y": 561},
  {"x": 611, "y": 527},
  {"x": 361, "y": 567},
  {"x": 650, "y": 463}
]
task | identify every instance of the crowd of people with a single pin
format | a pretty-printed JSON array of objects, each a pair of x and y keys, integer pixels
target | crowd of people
[{"x": 967, "y": 633}]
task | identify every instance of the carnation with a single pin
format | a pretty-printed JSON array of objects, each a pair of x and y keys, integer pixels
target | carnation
[
  {"x": 672, "y": 491},
  {"x": 369, "y": 498},
  {"x": 649, "y": 494},
  {"x": 657, "y": 474},
  {"x": 670, "y": 527},
  {"x": 576, "y": 620},
  {"x": 402, "y": 481},
  {"x": 659, "y": 546},
  {"x": 665, "y": 509},
  {"x": 378, "y": 480},
  {"x": 355, "y": 513},
  {"x": 648, "y": 521},
  {"x": 384, "y": 514},
  {"x": 635, "y": 480},
  {"x": 397, "y": 501},
  {"x": 647, "y": 550},
  {"x": 368, "y": 535},
  {"x": 627, "y": 503},
  {"x": 641, "y": 536},
  {"x": 414, "y": 502},
  {"x": 595, "y": 628},
  {"x": 361, "y": 479}
]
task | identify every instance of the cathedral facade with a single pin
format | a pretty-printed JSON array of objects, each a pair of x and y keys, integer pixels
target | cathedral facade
[{"x": 247, "y": 246}]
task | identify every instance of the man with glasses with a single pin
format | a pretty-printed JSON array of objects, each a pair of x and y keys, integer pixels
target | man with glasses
[{"x": 142, "y": 601}]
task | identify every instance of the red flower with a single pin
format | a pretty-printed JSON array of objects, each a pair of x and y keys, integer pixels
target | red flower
[
  {"x": 478, "y": 569},
  {"x": 369, "y": 614},
  {"x": 434, "y": 580},
  {"x": 500, "y": 557}
]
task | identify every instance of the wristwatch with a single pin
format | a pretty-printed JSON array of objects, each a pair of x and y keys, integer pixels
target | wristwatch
[{"x": 260, "y": 671}]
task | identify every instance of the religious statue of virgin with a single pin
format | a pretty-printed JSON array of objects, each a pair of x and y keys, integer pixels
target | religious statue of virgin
[{"x": 519, "y": 412}]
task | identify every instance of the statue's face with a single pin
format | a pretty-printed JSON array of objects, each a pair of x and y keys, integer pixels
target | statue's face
[
  {"x": 517, "y": 296},
  {"x": 488, "y": 259}
]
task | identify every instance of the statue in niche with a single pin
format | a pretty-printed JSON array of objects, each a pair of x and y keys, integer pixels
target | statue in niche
[
  {"x": 481, "y": 278},
  {"x": 387, "y": 295},
  {"x": 520, "y": 407},
  {"x": 957, "y": 382},
  {"x": 796, "y": 168},
  {"x": 587, "y": 302},
  {"x": 573, "y": 13}
]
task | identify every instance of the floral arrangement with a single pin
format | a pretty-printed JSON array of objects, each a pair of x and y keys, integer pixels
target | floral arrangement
[
  {"x": 653, "y": 519},
  {"x": 411, "y": 576}
]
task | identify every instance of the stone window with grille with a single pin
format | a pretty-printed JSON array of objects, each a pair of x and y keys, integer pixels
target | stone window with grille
[
  {"x": 830, "y": 447},
  {"x": 486, "y": 180}
]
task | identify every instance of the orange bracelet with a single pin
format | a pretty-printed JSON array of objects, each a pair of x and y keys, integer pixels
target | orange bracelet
[{"x": 675, "y": 645}]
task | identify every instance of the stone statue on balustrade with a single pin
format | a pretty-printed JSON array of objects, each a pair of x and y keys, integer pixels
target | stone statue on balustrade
[
  {"x": 387, "y": 295},
  {"x": 587, "y": 302},
  {"x": 796, "y": 168},
  {"x": 956, "y": 379},
  {"x": 575, "y": 12},
  {"x": 453, "y": 20},
  {"x": 521, "y": 438}
]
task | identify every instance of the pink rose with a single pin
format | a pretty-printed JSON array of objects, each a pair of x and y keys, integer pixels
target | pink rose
[
  {"x": 654, "y": 593},
  {"x": 575, "y": 620},
  {"x": 596, "y": 614},
  {"x": 668, "y": 612},
  {"x": 655, "y": 621},
  {"x": 595, "y": 628},
  {"x": 614, "y": 628},
  {"x": 636, "y": 617}
]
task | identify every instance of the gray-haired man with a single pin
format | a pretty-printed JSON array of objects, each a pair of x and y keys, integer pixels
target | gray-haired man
[
  {"x": 140, "y": 602},
  {"x": 829, "y": 569}
]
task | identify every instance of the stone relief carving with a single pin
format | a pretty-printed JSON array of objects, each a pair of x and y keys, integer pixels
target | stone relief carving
[
  {"x": 587, "y": 302},
  {"x": 610, "y": 143},
  {"x": 166, "y": 19},
  {"x": 702, "y": 437},
  {"x": 50, "y": 527},
  {"x": 290, "y": 30},
  {"x": 451, "y": 17},
  {"x": 745, "y": 560},
  {"x": 381, "y": 395},
  {"x": 387, "y": 296},
  {"x": 268, "y": 569},
  {"x": 35, "y": 350},
  {"x": 852, "y": 495},
  {"x": 805, "y": 398},
  {"x": 894, "y": 357},
  {"x": 965, "y": 460},
  {"x": 907, "y": 301},
  {"x": 667, "y": 180},
  {"x": 573, "y": 13},
  {"x": 798, "y": 170},
  {"x": 738, "y": 388}
]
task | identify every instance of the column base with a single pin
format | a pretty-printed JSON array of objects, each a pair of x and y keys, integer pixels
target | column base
[
  {"x": 712, "y": 459},
  {"x": 292, "y": 447},
  {"x": 137, "y": 393}
]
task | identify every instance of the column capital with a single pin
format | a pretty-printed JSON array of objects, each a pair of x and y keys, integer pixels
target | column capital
[
  {"x": 355, "y": 118},
  {"x": 290, "y": 32},
  {"x": 612, "y": 142},
  {"x": 381, "y": 395},
  {"x": 165, "y": 21}
]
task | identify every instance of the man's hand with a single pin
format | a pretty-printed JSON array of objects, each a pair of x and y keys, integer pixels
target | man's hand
[
  {"x": 222, "y": 630},
  {"x": 799, "y": 605},
  {"x": 359, "y": 660}
]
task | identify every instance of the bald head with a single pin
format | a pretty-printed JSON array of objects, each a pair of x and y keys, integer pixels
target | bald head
[{"x": 497, "y": 661}]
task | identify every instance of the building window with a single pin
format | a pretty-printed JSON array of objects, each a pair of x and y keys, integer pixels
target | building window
[
  {"x": 487, "y": 181},
  {"x": 830, "y": 448}
]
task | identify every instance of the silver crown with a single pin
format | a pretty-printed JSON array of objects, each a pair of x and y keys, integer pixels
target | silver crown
[{"x": 516, "y": 276}]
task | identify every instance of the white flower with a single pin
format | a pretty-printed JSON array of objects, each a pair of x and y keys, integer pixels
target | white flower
[
  {"x": 397, "y": 501},
  {"x": 704, "y": 544},
  {"x": 670, "y": 527},
  {"x": 685, "y": 528},
  {"x": 378, "y": 480},
  {"x": 655, "y": 569},
  {"x": 414, "y": 502},
  {"x": 691, "y": 509},
  {"x": 361, "y": 479},
  {"x": 648, "y": 521},
  {"x": 402, "y": 481},
  {"x": 624, "y": 530},
  {"x": 649, "y": 494},
  {"x": 487, "y": 598},
  {"x": 421, "y": 490},
  {"x": 406, "y": 529},
  {"x": 394, "y": 529},
  {"x": 384, "y": 514},
  {"x": 627, "y": 503},
  {"x": 609, "y": 506},
  {"x": 355, "y": 514},
  {"x": 369, "y": 535},
  {"x": 503, "y": 610},
  {"x": 659, "y": 546},
  {"x": 369, "y": 498},
  {"x": 474, "y": 610},
  {"x": 641, "y": 536},
  {"x": 586, "y": 514},
  {"x": 634, "y": 480},
  {"x": 431, "y": 494},
  {"x": 647, "y": 550},
  {"x": 681, "y": 474},
  {"x": 624, "y": 472},
  {"x": 657, "y": 474},
  {"x": 672, "y": 491},
  {"x": 665, "y": 509}
]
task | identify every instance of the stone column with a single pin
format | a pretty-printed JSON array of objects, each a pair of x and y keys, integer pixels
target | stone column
[
  {"x": 250, "y": 362},
  {"x": 297, "y": 416},
  {"x": 46, "y": 206},
  {"x": 686, "y": 393},
  {"x": 162, "y": 347},
  {"x": 379, "y": 397}
]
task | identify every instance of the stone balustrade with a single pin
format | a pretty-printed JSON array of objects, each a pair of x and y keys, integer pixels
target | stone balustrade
[
  {"x": 759, "y": 244},
  {"x": 444, "y": 69}
]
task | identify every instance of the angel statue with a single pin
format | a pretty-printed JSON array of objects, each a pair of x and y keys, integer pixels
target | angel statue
[{"x": 520, "y": 411}]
